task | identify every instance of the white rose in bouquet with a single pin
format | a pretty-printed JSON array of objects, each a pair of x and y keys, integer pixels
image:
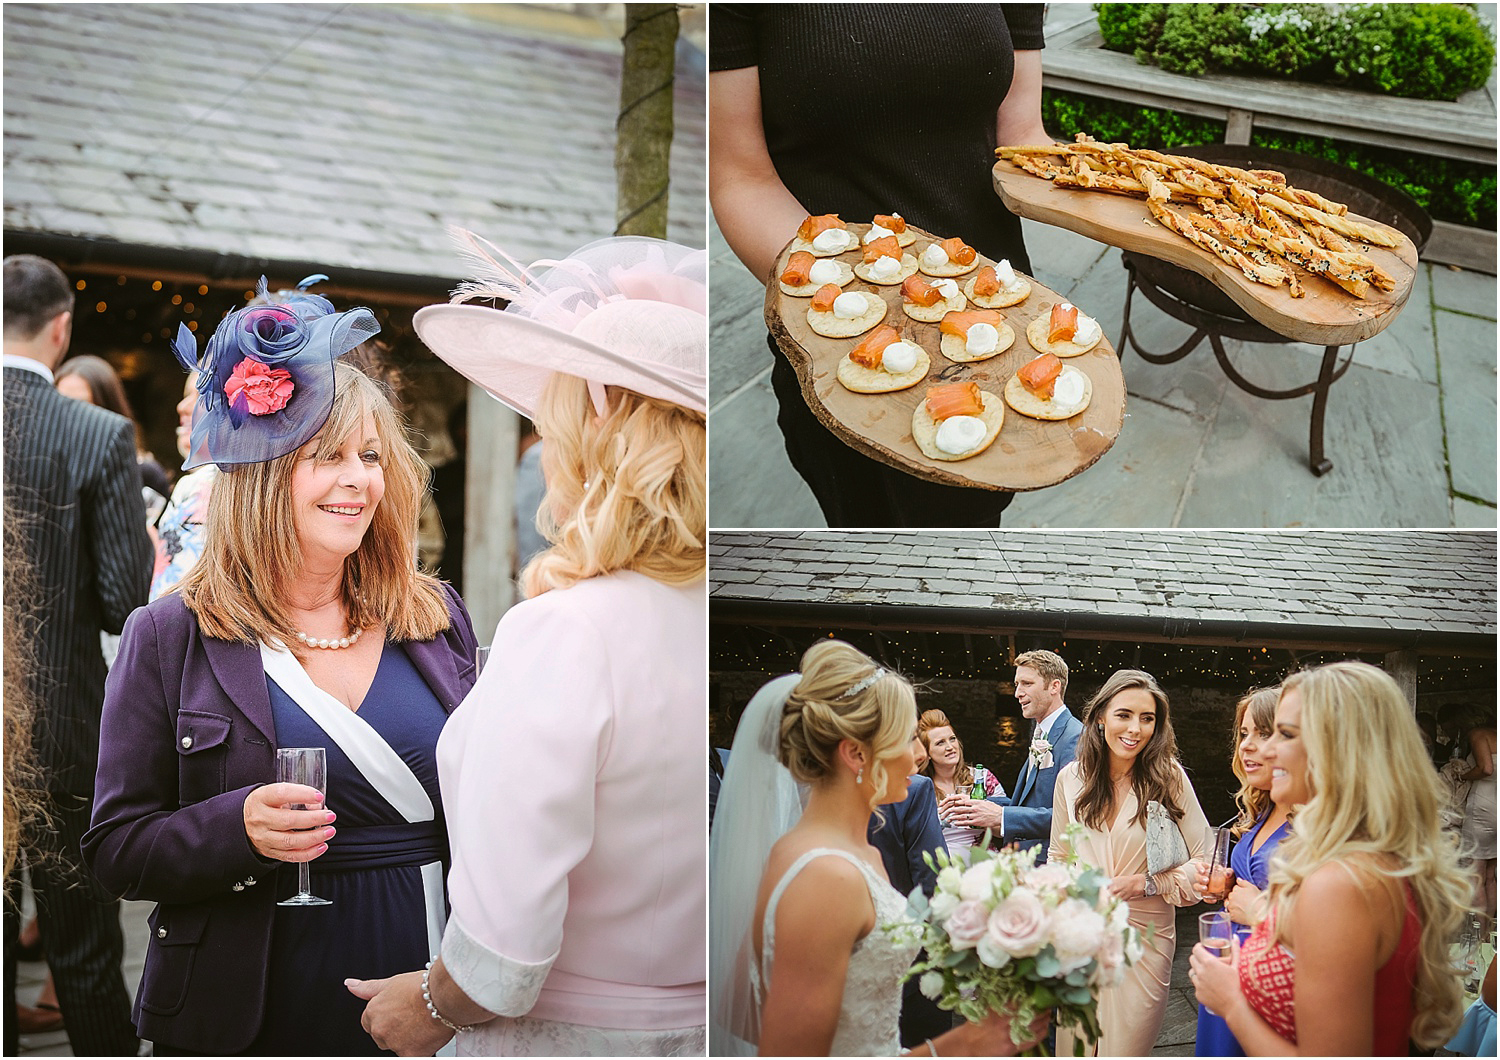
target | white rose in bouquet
[
  {"x": 967, "y": 925},
  {"x": 1078, "y": 935},
  {"x": 978, "y": 881},
  {"x": 1019, "y": 924}
]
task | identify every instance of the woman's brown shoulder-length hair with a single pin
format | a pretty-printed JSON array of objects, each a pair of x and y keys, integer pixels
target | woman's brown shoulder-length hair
[
  {"x": 251, "y": 550},
  {"x": 1156, "y": 775}
]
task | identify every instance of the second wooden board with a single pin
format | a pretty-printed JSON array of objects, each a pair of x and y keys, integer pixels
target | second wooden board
[{"x": 1327, "y": 316}]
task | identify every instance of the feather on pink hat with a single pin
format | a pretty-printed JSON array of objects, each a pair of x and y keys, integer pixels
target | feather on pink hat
[{"x": 627, "y": 311}]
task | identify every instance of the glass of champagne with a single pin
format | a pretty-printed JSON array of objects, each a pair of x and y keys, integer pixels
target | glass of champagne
[
  {"x": 1220, "y": 875},
  {"x": 481, "y": 656},
  {"x": 1216, "y": 931},
  {"x": 309, "y": 766}
]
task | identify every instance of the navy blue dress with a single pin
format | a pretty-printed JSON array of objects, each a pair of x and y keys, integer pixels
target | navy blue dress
[
  {"x": 377, "y": 924},
  {"x": 1214, "y": 1037}
]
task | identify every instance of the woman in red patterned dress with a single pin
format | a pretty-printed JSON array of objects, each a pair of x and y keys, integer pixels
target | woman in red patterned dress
[{"x": 1367, "y": 894}]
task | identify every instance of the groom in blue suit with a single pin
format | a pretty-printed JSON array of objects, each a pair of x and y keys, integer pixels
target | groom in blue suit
[{"x": 1025, "y": 816}]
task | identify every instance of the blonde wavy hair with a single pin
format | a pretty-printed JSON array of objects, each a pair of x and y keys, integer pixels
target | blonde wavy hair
[
  {"x": 1381, "y": 803},
  {"x": 625, "y": 491},
  {"x": 821, "y": 712},
  {"x": 251, "y": 550},
  {"x": 1260, "y": 705}
]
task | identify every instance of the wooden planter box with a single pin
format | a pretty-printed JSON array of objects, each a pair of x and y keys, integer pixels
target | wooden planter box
[{"x": 1075, "y": 60}]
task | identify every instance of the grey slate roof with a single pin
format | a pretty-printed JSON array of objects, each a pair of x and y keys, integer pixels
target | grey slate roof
[
  {"x": 348, "y": 134},
  {"x": 1438, "y": 582}
]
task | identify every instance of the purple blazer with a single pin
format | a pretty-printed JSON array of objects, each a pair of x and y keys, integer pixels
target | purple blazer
[{"x": 187, "y": 733}]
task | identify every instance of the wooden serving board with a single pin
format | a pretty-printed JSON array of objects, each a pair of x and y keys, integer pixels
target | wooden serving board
[
  {"x": 1327, "y": 316},
  {"x": 1028, "y": 454}
]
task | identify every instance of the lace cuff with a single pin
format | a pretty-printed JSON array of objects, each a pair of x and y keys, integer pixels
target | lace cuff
[{"x": 501, "y": 984}]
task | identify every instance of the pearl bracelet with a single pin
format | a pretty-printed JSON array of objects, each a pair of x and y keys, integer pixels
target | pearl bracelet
[{"x": 432, "y": 1009}]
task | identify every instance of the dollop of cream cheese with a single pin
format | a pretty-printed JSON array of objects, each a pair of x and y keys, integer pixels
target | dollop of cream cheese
[
  {"x": 948, "y": 288},
  {"x": 958, "y": 435},
  {"x": 832, "y": 241},
  {"x": 899, "y": 357},
  {"x": 885, "y": 268},
  {"x": 934, "y": 255},
  {"x": 850, "y": 305},
  {"x": 877, "y": 232},
  {"x": 982, "y": 338},
  {"x": 1067, "y": 389},
  {"x": 1088, "y": 330},
  {"x": 1007, "y": 276},
  {"x": 823, "y": 272}
]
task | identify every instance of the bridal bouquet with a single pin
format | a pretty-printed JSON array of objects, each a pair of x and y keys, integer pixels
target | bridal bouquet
[{"x": 1003, "y": 933}]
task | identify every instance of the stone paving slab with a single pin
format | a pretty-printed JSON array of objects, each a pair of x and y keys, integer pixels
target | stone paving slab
[
  {"x": 1464, "y": 291},
  {"x": 1383, "y": 434},
  {"x": 1465, "y": 351},
  {"x": 752, "y": 483},
  {"x": 738, "y": 340}
]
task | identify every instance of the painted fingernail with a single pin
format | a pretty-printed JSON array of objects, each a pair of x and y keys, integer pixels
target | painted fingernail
[
  {"x": 330, "y": 818},
  {"x": 322, "y": 848},
  {"x": 328, "y": 833}
]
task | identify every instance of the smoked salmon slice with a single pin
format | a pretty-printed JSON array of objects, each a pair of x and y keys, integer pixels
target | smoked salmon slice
[
  {"x": 869, "y": 352},
  {"x": 954, "y": 399},
  {"x": 985, "y": 284},
  {"x": 1039, "y": 375},
  {"x": 816, "y": 226},
  {"x": 884, "y": 247},
  {"x": 959, "y": 322},
  {"x": 823, "y": 299},
  {"x": 958, "y": 251},
  {"x": 918, "y": 291},
  {"x": 891, "y": 223},
  {"x": 798, "y": 269},
  {"x": 1064, "y": 323}
]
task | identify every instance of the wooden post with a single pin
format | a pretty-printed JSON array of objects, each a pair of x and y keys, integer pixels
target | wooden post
[
  {"x": 1402, "y": 665},
  {"x": 489, "y": 518},
  {"x": 1237, "y": 129}
]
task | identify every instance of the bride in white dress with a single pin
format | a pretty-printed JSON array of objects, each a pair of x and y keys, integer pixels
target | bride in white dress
[{"x": 804, "y": 958}]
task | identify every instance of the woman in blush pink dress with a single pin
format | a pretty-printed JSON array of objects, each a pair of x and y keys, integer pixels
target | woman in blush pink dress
[{"x": 577, "y": 887}]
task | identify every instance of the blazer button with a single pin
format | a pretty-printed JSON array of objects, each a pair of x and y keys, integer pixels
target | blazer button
[
  {"x": 187, "y": 742},
  {"x": 238, "y": 887},
  {"x": 161, "y": 932}
]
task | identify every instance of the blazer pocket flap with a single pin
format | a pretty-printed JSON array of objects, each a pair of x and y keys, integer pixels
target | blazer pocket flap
[
  {"x": 197, "y": 731},
  {"x": 179, "y": 925}
]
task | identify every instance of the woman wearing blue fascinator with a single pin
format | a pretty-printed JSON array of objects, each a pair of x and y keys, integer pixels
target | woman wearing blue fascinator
[{"x": 305, "y": 623}]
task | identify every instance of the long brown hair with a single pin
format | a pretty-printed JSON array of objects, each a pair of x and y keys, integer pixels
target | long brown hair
[
  {"x": 105, "y": 388},
  {"x": 963, "y": 776},
  {"x": 251, "y": 550},
  {"x": 1260, "y": 705},
  {"x": 1155, "y": 774}
]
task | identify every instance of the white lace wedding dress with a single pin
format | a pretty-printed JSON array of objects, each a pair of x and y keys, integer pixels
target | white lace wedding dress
[{"x": 869, "y": 1016}]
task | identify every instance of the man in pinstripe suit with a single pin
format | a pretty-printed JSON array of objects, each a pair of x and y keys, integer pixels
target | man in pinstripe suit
[{"x": 72, "y": 482}]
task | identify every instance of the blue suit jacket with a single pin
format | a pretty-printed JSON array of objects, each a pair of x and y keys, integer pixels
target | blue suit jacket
[
  {"x": 1028, "y": 815},
  {"x": 187, "y": 733},
  {"x": 911, "y": 828}
]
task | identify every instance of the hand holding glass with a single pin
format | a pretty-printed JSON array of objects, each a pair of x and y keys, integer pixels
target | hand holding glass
[
  {"x": 1220, "y": 875},
  {"x": 1216, "y": 931},
  {"x": 309, "y": 766}
]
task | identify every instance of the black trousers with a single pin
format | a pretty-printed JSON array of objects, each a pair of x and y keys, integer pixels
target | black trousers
[
  {"x": 855, "y": 490},
  {"x": 81, "y": 935}
]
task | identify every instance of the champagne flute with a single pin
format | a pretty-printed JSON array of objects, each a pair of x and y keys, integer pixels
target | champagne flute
[
  {"x": 481, "y": 656},
  {"x": 1216, "y": 931},
  {"x": 309, "y": 766},
  {"x": 1220, "y": 875}
]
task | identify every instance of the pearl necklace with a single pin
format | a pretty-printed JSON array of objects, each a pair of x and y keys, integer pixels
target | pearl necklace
[{"x": 337, "y": 642}]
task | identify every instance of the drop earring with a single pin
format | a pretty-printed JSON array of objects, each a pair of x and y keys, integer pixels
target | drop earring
[{"x": 859, "y": 778}]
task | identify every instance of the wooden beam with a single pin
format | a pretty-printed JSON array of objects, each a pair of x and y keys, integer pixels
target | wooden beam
[
  {"x": 1402, "y": 665},
  {"x": 489, "y": 504}
]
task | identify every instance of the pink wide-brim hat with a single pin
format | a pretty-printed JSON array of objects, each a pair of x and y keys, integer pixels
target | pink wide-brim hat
[{"x": 627, "y": 312}]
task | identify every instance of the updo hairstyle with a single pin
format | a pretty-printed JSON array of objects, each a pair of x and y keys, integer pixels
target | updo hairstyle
[{"x": 820, "y": 712}]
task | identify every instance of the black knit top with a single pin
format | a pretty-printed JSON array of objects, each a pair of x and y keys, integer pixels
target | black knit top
[{"x": 886, "y": 108}]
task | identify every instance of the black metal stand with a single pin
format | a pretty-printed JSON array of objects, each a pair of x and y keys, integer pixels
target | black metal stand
[{"x": 1215, "y": 327}]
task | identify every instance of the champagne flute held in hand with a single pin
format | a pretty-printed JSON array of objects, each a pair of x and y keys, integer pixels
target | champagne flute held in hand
[{"x": 308, "y": 766}]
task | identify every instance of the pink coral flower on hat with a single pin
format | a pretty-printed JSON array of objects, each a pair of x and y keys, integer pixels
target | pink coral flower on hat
[{"x": 265, "y": 390}]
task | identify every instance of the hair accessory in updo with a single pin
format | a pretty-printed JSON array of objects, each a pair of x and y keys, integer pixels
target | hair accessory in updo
[
  {"x": 266, "y": 377},
  {"x": 860, "y": 686},
  {"x": 628, "y": 312}
]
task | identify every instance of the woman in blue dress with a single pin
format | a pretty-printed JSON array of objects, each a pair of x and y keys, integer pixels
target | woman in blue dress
[
  {"x": 1261, "y": 827},
  {"x": 305, "y": 623}
]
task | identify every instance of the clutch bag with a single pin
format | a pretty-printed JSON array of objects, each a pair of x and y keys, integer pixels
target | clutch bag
[{"x": 1165, "y": 847}]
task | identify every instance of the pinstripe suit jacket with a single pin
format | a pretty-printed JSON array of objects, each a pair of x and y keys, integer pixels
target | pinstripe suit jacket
[{"x": 72, "y": 482}]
